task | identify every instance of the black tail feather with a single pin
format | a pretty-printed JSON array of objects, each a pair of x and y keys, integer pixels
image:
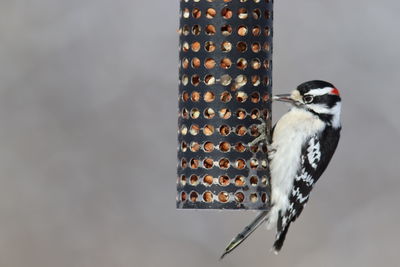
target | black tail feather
[{"x": 280, "y": 238}]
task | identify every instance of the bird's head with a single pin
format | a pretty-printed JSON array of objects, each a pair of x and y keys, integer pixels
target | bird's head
[{"x": 319, "y": 97}]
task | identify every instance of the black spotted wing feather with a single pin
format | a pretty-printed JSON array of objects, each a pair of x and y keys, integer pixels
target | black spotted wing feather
[{"x": 315, "y": 157}]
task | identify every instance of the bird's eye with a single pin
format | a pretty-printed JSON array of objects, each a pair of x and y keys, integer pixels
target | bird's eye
[{"x": 308, "y": 99}]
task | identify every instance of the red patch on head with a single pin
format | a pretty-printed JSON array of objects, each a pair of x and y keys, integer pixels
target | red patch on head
[{"x": 335, "y": 92}]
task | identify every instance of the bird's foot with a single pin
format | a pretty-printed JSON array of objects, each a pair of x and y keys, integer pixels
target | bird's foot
[{"x": 264, "y": 134}]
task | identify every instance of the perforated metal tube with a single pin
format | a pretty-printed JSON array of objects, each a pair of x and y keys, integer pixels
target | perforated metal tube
[{"x": 225, "y": 85}]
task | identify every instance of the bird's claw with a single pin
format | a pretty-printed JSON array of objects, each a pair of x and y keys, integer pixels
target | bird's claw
[{"x": 264, "y": 134}]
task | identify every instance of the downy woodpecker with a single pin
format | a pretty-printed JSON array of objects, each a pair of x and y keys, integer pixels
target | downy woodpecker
[{"x": 303, "y": 143}]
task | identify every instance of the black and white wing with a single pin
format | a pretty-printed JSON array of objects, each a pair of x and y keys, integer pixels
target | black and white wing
[{"x": 316, "y": 154}]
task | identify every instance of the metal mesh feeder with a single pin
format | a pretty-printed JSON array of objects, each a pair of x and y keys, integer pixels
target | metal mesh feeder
[{"x": 225, "y": 85}]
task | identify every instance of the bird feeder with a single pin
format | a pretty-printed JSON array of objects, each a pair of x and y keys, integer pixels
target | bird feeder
[{"x": 225, "y": 84}]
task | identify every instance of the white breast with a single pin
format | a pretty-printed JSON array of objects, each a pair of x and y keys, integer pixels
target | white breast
[{"x": 290, "y": 133}]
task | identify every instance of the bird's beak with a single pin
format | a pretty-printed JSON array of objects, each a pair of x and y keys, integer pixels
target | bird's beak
[
  {"x": 284, "y": 98},
  {"x": 294, "y": 98}
]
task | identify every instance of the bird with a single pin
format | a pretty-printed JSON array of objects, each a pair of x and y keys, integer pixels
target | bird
[{"x": 300, "y": 147}]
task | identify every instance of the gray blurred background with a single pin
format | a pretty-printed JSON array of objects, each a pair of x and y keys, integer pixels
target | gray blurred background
[{"x": 88, "y": 115}]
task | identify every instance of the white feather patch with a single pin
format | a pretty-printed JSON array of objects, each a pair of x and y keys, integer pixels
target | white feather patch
[
  {"x": 319, "y": 91},
  {"x": 314, "y": 152},
  {"x": 290, "y": 132}
]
